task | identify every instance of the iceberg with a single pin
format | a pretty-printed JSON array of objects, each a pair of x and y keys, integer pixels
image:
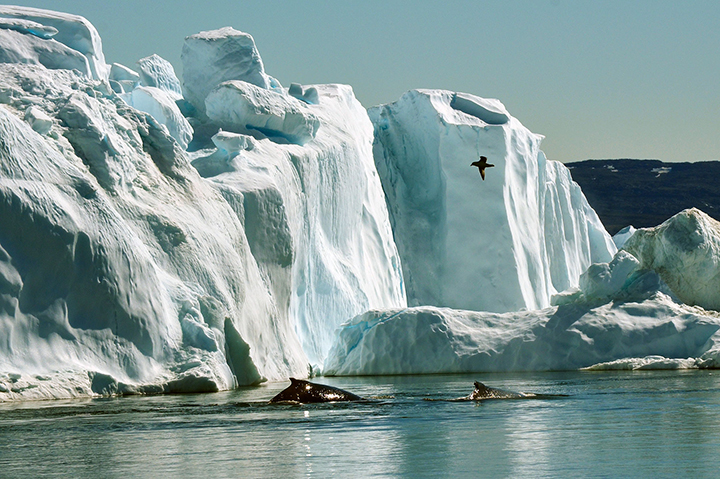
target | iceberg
[
  {"x": 504, "y": 244},
  {"x": 685, "y": 252},
  {"x": 431, "y": 340},
  {"x": 623, "y": 316},
  {"x": 121, "y": 269}
]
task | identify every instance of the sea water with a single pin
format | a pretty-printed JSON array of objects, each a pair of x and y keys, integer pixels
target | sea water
[{"x": 601, "y": 424}]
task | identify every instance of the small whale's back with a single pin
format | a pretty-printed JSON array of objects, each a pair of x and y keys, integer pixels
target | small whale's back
[{"x": 484, "y": 392}]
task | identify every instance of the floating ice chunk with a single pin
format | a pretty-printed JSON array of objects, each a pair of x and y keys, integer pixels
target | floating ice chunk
[
  {"x": 160, "y": 104},
  {"x": 28, "y": 26},
  {"x": 427, "y": 340},
  {"x": 239, "y": 106},
  {"x": 38, "y": 119},
  {"x": 490, "y": 111},
  {"x": 73, "y": 31},
  {"x": 213, "y": 57},
  {"x": 661, "y": 171},
  {"x": 159, "y": 73},
  {"x": 685, "y": 252},
  {"x": 648, "y": 362}
]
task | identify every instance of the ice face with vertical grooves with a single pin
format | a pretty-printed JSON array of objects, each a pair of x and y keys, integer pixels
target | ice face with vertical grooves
[{"x": 503, "y": 244}]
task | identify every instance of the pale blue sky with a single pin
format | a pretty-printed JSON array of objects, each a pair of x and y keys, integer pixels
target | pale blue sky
[{"x": 600, "y": 79}]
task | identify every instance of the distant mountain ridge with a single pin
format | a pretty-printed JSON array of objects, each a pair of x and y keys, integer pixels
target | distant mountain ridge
[{"x": 645, "y": 193}]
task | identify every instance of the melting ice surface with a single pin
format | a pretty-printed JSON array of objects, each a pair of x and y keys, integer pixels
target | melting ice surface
[{"x": 160, "y": 235}]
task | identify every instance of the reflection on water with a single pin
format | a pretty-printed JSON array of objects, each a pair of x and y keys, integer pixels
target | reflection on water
[{"x": 611, "y": 424}]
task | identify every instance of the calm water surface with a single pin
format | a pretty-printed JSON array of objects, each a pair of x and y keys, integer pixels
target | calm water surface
[{"x": 610, "y": 424}]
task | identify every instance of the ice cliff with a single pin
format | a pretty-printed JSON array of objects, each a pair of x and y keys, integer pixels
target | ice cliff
[
  {"x": 123, "y": 270},
  {"x": 503, "y": 244}
]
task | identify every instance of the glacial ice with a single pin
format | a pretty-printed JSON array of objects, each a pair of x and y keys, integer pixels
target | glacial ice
[
  {"x": 155, "y": 90},
  {"x": 73, "y": 31},
  {"x": 28, "y": 26},
  {"x": 308, "y": 95},
  {"x": 120, "y": 72},
  {"x": 630, "y": 313},
  {"x": 118, "y": 260},
  {"x": 685, "y": 252},
  {"x": 123, "y": 271},
  {"x": 623, "y": 317},
  {"x": 162, "y": 107},
  {"x": 20, "y": 47},
  {"x": 38, "y": 120},
  {"x": 158, "y": 73},
  {"x": 499, "y": 245},
  {"x": 623, "y": 235},
  {"x": 239, "y": 106},
  {"x": 319, "y": 207},
  {"x": 213, "y": 57}
]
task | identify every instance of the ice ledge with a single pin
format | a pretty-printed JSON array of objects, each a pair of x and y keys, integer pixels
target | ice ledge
[{"x": 490, "y": 111}]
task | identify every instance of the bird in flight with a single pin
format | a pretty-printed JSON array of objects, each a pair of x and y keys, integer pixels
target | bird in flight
[{"x": 482, "y": 164}]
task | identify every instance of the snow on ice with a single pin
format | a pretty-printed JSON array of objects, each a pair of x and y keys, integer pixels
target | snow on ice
[{"x": 164, "y": 238}]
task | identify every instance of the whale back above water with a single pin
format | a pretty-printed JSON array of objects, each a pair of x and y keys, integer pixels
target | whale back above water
[
  {"x": 484, "y": 392},
  {"x": 301, "y": 391}
]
